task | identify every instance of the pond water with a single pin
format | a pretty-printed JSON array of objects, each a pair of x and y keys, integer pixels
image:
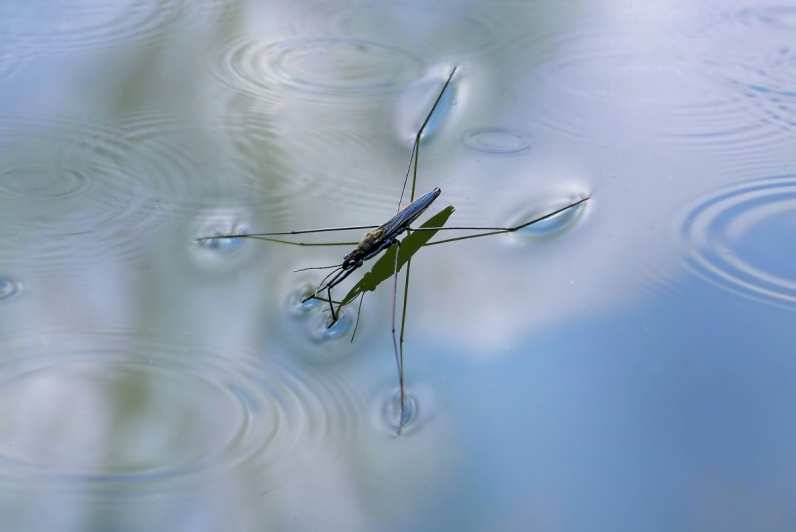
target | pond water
[{"x": 629, "y": 365}]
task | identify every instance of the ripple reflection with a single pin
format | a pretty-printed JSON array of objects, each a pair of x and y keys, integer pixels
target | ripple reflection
[
  {"x": 767, "y": 81},
  {"x": 79, "y": 24},
  {"x": 319, "y": 69},
  {"x": 773, "y": 17},
  {"x": 272, "y": 177},
  {"x": 670, "y": 92},
  {"x": 727, "y": 238},
  {"x": 285, "y": 165},
  {"x": 435, "y": 28},
  {"x": 115, "y": 409},
  {"x": 749, "y": 52},
  {"x": 71, "y": 192}
]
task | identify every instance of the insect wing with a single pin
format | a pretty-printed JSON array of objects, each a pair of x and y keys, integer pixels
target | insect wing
[
  {"x": 384, "y": 268},
  {"x": 400, "y": 221}
]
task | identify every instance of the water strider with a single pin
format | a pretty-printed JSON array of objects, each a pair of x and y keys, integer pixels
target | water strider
[{"x": 385, "y": 237}]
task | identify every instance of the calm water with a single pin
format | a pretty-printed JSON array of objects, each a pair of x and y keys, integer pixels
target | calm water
[{"x": 630, "y": 366}]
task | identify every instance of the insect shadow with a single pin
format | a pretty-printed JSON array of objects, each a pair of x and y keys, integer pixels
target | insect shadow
[{"x": 397, "y": 253}]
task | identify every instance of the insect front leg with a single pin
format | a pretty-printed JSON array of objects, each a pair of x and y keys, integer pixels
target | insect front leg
[{"x": 334, "y": 282}]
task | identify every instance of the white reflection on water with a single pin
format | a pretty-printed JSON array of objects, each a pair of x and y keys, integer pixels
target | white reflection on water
[
  {"x": 9, "y": 288},
  {"x": 628, "y": 364}
]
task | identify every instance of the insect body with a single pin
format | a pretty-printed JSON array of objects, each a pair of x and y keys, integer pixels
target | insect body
[
  {"x": 385, "y": 237},
  {"x": 374, "y": 242}
]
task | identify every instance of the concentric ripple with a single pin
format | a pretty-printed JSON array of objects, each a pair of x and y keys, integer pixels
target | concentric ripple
[
  {"x": 42, "y": 182},
  {"x": 78, "y": 24},
  {"x": 173, "y": 157},
  {"x": 767, "y": 81},
  {"x": 772, "y": 17},
  {"x": 669, "y": 91},
  {"x": 70, "y": 193},
  {"x": 438, "y": 28},
  {"x": 496, "y": 140},
  {"x": 728, "y": 235},
  {"x": 606, "y": 67},
  {"x": 214, "y": 10},
  {"x": 320, "y": 69},
  {"x": 750, "y": 53},
  {"x": 271, "y": 176},
  {"x": 103, "y": 409},
  {"x": 284, "y": 167}
]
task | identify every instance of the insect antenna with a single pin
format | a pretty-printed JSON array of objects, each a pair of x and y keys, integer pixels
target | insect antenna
[{"x": 321, "y": 285}]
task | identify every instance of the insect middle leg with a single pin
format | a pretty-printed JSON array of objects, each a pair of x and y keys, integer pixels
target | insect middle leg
[
  {"x": 331, "y": 305},
  {"x": 490, "y": 231}
]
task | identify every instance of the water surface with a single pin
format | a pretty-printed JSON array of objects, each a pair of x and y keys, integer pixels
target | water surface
[{"x": 628, "y": 365}]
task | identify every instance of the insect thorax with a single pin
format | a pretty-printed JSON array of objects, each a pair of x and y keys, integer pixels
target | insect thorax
[{"x": 370, "y": 239}]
